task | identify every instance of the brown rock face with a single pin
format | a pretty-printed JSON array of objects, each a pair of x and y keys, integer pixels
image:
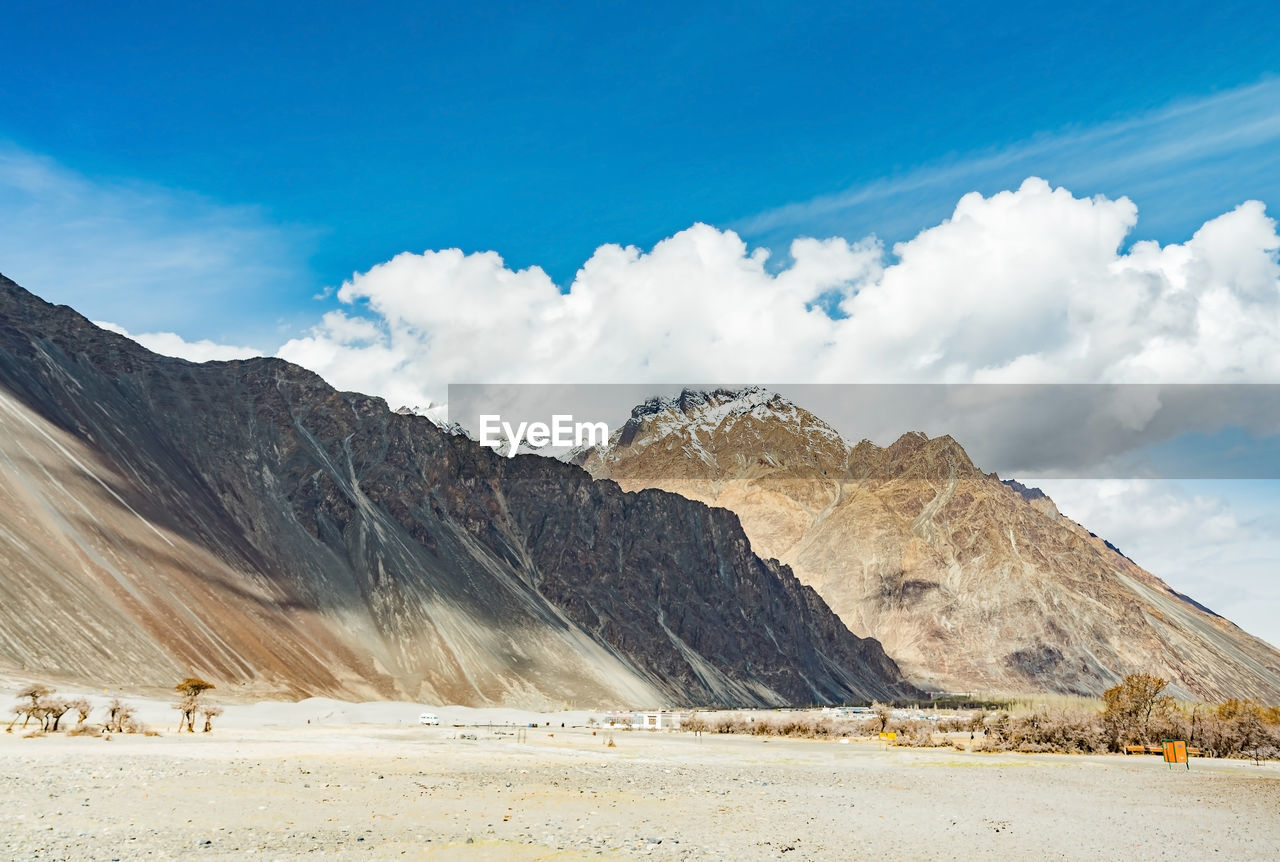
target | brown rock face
[
  {"x": 970, "y": 583},
  {"x": 245, "y": 522}
]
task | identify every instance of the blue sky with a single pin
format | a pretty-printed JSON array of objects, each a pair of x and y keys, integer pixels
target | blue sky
[
  {"x": 251, "y": 175},
  {"x": 330, "y": 137}
]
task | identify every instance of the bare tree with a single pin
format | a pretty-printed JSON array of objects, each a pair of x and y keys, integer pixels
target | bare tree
[
  {"x": 883, "y": 712},
  {"x": 1130, "y": 705},
  {"x": 34, "y": 707},
  {"x": 998, "y": 726},
  {"x": 186, "y": 708},
  {"x": 54, "y": 710},
  {"x": 1244, "y": 726},
  {"x": 82, "y": 707},
  {"x": 210, "y": 712},
  {"x": 41, "y": 706},
  {"x": 120, "y": 717},
  {"x": 977, "y": 722},
  {"x": 193, "y": 687},
  {"x": 190, "y": 688}
]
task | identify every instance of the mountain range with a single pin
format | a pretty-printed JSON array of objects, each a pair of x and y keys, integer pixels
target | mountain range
[
  {"x": 247, "y": 523},
  {"x": 971, "y": 583}
]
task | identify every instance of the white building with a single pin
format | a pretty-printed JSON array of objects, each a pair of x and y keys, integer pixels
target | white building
[{"x": 658, "y": 719}]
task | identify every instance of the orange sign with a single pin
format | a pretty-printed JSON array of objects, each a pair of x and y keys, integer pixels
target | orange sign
[{"x": 1175, "y": 751}]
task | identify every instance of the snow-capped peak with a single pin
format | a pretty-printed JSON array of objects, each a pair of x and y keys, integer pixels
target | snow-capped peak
[
  {"x": 438, "y": 414},
  {"x": 699, "y": 412}
]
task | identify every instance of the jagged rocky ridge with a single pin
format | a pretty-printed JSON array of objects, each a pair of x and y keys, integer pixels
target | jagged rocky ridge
[
  {"x": 246, "y": 522},
  {"x": 971, "y": 583}
]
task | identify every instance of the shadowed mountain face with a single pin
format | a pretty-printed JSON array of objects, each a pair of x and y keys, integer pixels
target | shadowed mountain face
[
  {"x": 971, "y": 583},
  {"x": 245, "y": 522}
]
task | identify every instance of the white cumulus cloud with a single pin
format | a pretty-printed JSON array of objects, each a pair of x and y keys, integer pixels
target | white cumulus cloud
[{"x": 1029, "y": 285}]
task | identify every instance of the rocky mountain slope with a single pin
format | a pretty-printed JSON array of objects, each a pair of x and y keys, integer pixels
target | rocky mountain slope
[
  {"x": 245, "y": 522},
  {"x": 971, "y": 583}
]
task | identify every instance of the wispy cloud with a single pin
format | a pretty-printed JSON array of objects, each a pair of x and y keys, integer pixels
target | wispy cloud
[
  {"x": 1181, "y": 164},
  {"x": 150, "y": 257}
]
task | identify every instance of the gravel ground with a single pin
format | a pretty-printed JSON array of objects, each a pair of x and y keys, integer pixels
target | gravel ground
[{"x": 363, "y": 792}]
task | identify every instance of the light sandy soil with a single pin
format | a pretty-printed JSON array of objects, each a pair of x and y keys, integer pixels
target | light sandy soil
[{"x": 342, "y": 787}]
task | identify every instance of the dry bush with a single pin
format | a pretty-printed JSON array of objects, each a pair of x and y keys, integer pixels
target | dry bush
[
  {"x": 695, "y": 723},
  {"x": 1134, "y": 712},
  {"x": 797, "y": 725},
  {"x": 730, "y": 723},
  {"x": 918, "y": 734},
  {"x": 1062, "y": 731},
  {"x": 1240, "y": 728},
  {"x": 792, "y": 724}
]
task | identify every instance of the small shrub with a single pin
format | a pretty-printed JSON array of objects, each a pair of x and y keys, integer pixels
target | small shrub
[{"x": 695, "y": 723}]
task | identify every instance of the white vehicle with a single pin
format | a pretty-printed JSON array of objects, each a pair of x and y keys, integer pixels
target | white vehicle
[{"x": 429, "y": 718}]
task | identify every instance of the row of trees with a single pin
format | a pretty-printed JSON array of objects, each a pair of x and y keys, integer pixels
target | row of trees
[
  {"x": 1135, "y": 712},
  {"x": 43, "y": 706},
  {"x": 1138, "y": 711}
]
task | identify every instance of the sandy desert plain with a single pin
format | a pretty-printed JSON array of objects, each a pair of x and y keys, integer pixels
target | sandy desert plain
[{"x": 324, "y": 779}]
